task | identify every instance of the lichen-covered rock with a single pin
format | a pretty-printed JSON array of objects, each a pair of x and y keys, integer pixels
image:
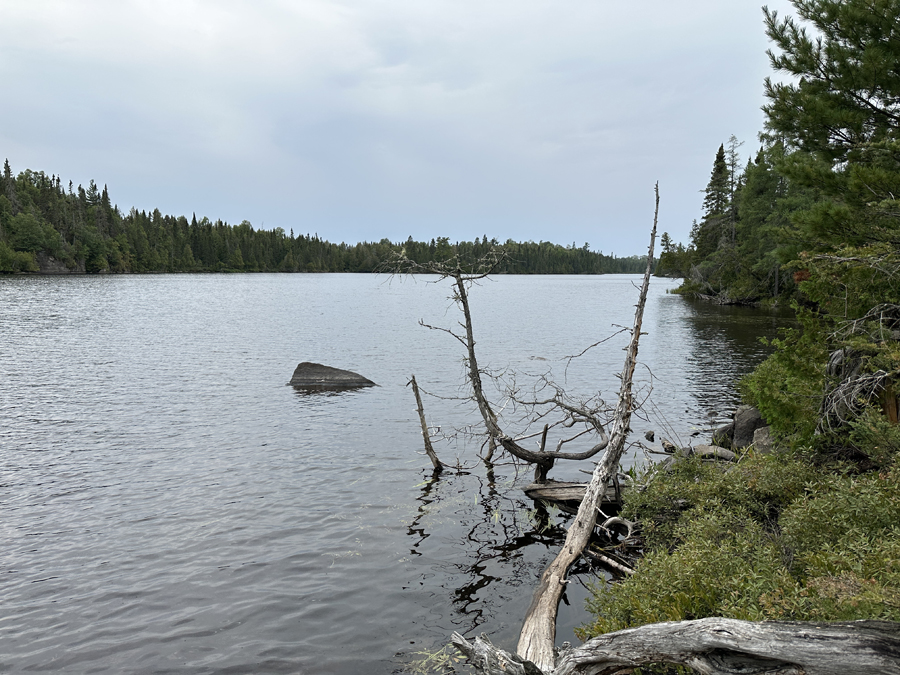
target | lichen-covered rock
[
  {"x": 309, "y": 375},
  {"x": 762, "y": 440}
]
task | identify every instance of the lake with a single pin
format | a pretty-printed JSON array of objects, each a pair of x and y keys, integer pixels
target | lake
[{"x": 171, "y": 506}]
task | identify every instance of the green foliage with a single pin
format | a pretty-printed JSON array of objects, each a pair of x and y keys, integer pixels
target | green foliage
[
  {"x": 758, "y": 487},
  {"x": 772, "y": 538},
  {"x": 27, "y": 232},
  {"x": 788, "y": 386},
  {"x": 839, "y": 117},
  {"x": 796, "y": 535},
  {"x": 738, "y": 254},
  {"x": 16, "y": 261},
  {"x": 848, "y": 281},
  {"x": 874, "y": 435},
  {"x": 723, "y": 565},
  {"x": 842, "y": 508},
  {"x": 845, "y": 76}
]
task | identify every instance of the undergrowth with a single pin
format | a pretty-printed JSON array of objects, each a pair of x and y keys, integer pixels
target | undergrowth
[{"x": 775, "y": 537}]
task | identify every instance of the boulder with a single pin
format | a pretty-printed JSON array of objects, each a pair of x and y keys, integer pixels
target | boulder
[
  {"x": 747, "y": 419},
  {"x": 316, "y": 376},
  {"x": 724, "y": 435},
  {"x": 762, "y": 440}
]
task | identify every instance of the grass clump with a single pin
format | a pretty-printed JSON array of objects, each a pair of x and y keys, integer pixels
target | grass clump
[{"x": 775, "y": 537}]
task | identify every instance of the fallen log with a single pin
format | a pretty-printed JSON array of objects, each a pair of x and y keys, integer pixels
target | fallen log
[
  {"x": 716, "y": 646},
  {"x": 567, "y": 496}
]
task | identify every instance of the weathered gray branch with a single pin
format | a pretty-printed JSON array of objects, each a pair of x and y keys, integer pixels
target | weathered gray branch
[
  {"x": 536, "y": 641},
  {"x": 426, "y": 437},
  {"x": 462, "y": 278},
  {"x": 716, "y": 646}
]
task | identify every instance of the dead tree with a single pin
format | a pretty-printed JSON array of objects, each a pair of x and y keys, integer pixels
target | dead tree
[
  {"x": 426, "y": 437},
  {"x": 715, "y": 646},
  {"x": 569, "y": 412},
  {"x": 538, "y": 636},
  {"x": 536, "y": 643}
]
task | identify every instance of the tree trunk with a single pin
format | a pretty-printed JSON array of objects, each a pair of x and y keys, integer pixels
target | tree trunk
[
  {"x": 429, "y": 449},
  {"x": 538, "y": 636}
]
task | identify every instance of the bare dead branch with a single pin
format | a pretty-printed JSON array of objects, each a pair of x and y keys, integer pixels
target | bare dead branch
[
  {"x": 609, "y": 562},
  {"x": 429, "y": 449},
  {"x": 536, "y": 641}
]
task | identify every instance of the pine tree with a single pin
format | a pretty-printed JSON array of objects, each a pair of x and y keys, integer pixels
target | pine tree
[{"x": 838, "y": 116}]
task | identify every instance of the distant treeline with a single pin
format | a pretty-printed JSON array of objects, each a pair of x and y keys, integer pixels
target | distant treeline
[{"x": 40, "y": 218}]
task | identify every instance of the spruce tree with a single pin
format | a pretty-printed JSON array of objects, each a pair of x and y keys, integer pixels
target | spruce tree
[
  {"x": 706, "y": 235},
  {"x": 717, "y": 193}
]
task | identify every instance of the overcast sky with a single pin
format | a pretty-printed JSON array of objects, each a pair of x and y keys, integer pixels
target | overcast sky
[{"x": 368, "y": 119}]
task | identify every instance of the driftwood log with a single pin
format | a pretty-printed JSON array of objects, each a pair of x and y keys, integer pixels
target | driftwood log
[{"x": 716, "y": 646}]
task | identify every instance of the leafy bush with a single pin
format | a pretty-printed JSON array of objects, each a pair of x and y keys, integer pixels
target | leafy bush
[
  {"x": 774, "y": 537},
  {"x": 874, "y": 435},
  {"x": 788, "y": 386},
  {"x": 761, "y": 486}
]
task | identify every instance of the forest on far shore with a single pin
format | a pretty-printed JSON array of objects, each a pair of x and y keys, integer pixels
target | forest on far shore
[{"x": 40, "y": 218}]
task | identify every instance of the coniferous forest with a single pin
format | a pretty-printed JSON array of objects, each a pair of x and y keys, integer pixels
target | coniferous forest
[
  {"x": 804, "y": 528},
  {"x": 812, "y": 216},
  {"x": 41, "y": 218}
]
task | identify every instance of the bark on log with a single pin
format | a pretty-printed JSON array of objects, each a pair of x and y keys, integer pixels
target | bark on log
[
  {"x": 716, "y": 646},
  {"x": 538, "y": 636}
]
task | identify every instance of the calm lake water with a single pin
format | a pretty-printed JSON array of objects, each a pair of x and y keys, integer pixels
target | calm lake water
[{"x": 169, "y": 505}]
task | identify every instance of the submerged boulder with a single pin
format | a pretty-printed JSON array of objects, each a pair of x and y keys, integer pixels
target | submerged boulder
[{"x": 316, "y": 376}]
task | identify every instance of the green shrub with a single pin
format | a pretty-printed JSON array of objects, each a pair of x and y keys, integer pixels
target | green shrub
[
  {"x": 874, "y": 435},
  {"x": 788, "y": 386},
  {"x": 773, "y": 538},
  {"x": 759, "y": 485},
  {"x": 845, "y": 509}
]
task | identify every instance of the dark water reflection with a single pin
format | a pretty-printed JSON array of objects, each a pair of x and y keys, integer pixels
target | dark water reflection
[{"x": 170, "y": 505}]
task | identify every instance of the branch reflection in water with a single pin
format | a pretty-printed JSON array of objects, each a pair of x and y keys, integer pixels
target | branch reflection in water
[{"x": 499, "y": 541}]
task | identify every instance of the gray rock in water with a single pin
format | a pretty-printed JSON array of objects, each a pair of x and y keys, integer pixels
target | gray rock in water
[
  {"x": 747, "y": 419},
  {"x": 316, "y": 376}
]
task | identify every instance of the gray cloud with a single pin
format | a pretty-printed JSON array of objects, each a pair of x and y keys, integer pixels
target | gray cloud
[{"x": 360, "y": 120}]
